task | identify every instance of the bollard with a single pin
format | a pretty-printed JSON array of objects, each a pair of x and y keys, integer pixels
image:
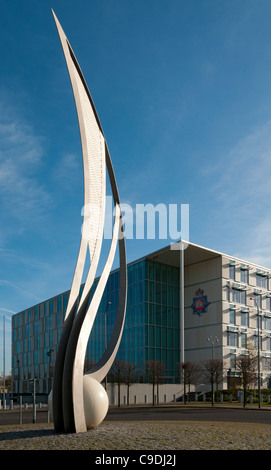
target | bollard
[
  {"x": 34, "y": 402},
  {"x": 20, "y": 410}
]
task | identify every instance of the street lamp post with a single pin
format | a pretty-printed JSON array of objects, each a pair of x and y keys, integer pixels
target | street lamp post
[
  {"x": 18, "y": 387},
  {"x": 4, "y": 364},
  {"x": 49, "y": 354},
  {"x": 259, "y": 365},
  {"x": 213, "y": 340},
  {"x": 33, "y": 382},
  {"x": 105, "y": 338}
]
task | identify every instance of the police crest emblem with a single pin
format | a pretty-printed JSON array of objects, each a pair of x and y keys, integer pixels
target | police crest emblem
[{"x": 200, "y": 302}]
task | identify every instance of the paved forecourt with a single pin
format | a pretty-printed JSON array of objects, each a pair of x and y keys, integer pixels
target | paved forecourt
[{"x": 158, "y": 435}]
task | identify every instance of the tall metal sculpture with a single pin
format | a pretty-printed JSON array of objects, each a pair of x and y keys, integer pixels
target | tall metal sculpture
[{"x": 79, "y": 401}]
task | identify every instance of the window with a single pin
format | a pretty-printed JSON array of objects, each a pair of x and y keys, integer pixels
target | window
[
  {"x": 261, "y": 280},
  {"x": 58, "y": 320},
  {"x": 243, "y": 340},
  {"x": 239, "y": 296},
  {"x": 228, "y": 293},
  {"x": 258, "y": 300},
  {"x": 232, "y": 316},
  {"x": 37, "y": 345},
  {"x": 27, "y": 331},
  {"x": 232, "y": 338},
  {"x": 36, "y": 328},
  {"x": 51, "y": 338},
  {"x": 256, "y": 342},
  {"x": 36, "y": 317},
  {"x": 48, "y": 323},
  {"x": 268, "y": 343},
  {"x": 268, "y": 303},
  {"x": 46, "y": 340},
  {"x": 244, "y": 319},
  {"x": 232, "y": 271},
  {"x": 244, "y": 275},
  {"x": 232, "y": 360},
  {"x": 59, "y": 303},
  {"x": 259, "y": 322},
  {"x": 266, "y": 363},
  {"x": 267, "y": 323},
  {"x": 36, "y": 357},
  {"x": 65, "y": 301}
]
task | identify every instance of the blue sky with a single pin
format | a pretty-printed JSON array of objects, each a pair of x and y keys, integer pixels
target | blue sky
[{"x": 183, "y": 91}]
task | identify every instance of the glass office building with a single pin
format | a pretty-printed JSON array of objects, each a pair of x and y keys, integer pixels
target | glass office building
[
  {"x": 151, "y": 330},
  {"x": 188, "y": 305}
]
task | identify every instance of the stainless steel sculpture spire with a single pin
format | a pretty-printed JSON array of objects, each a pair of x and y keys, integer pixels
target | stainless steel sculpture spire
[{"x": 76, "y": 395}]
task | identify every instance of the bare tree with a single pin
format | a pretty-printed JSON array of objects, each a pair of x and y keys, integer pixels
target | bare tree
[
  {"x": 117, "y": 375},
  {"x": 246, "y": 364},
  {"x": 7, "y": 384},
  {"x": 128, "y": 376},
  {"x": 213, "y": 373},
  {"x": 155, "y": 371},
  {"x": 189, "y": 371}
]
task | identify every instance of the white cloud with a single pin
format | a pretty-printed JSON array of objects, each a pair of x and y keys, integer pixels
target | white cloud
[
  {"x": 241, "y": 194},
  {"x": 13, "y": 257},
  {"x": 247, "y": 165},
  {"x": 257, "y": 248},
  {"x": 68, "y": 170},
  {"x": 22, "y": 291},
  {"x": 22, "y": 195}
]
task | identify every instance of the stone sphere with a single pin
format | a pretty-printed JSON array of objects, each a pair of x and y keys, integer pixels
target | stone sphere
[{"x": 96, "y": 402}]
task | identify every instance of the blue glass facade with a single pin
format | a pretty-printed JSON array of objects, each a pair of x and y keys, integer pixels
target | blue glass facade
[
  {"x": 162, "y": 316},
  {"x": 151, "y": 330}
]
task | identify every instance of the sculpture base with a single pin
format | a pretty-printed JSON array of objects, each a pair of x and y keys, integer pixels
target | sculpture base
[{"x": 96, "y": 402}]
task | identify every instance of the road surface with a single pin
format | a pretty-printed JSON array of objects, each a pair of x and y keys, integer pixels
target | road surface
[
  {"x": 191, "y": 413},
  {"x": 182, "y": 412}
]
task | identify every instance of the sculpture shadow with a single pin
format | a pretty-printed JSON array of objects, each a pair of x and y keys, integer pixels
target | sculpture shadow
[{"x": 28, "y": 434}]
